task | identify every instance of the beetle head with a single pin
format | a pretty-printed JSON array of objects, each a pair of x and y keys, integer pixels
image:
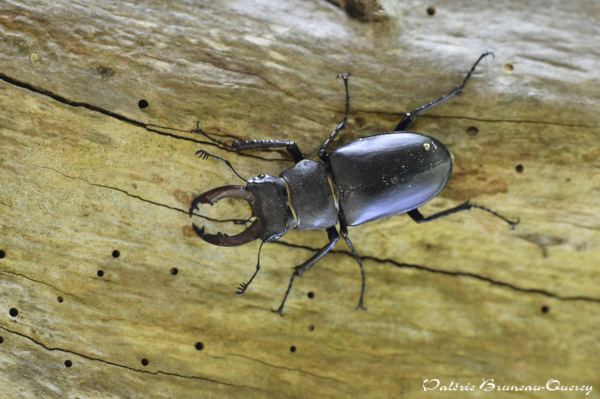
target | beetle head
[{"x": 269, "y": 200}]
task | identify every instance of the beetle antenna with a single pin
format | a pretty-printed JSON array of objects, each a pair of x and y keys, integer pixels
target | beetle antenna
[
  {"x": 205, "y": 155},
  {"x": 243, "y": 286}
]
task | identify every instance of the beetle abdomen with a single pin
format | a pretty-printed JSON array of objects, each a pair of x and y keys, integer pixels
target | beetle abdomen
[{"x": 385, "y": 175}]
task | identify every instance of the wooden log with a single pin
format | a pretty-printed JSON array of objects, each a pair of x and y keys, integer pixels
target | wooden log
[{"x": 107, "y": 292}]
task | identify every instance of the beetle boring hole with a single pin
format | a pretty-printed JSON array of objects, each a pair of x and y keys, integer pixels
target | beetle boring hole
[
  {"x": 68, "y": 363},
  {"x": 508, "y": 67},
  {"x": 292, "y": 349},
  {"x": 545, "y": 309},
  {"x": 14, "y": 312},
  {"x": 174, "y": 271},
  {"x": 311, "y": 328},
  {"x": 430, "y": 10},
  {"x": 199, "y": 346},
  {"x": 229, "y": 216},
  {"x": 100, "y": 273},
  {"x": 311, "y": 295},
  {"x": 2, "y": 253},
  {"x": 59, "y": 299},
  {"x": 472, "y": 131},
  {"x": 116, "y": 253},
  {"x": 145, "y": 362},
  {"x": 360, "y": 121},
  {"x": 143, "y": 104},
  {"x": 1, "y": 340},
  {"x": 519, "y": 168}
]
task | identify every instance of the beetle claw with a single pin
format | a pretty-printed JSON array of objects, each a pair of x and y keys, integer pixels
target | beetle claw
[
  {"x": 213, "y": 196},
  {"x": 246, "y": 236}
]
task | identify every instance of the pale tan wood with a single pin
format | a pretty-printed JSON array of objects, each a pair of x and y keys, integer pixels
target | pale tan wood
[{"x": 85, "y": 171}]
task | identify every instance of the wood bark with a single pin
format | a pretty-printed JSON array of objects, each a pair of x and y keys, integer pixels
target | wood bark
[{"x": 105, "y": 291}]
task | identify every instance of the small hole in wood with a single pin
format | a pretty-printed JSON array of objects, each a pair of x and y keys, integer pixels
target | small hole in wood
[
  {"x": 199, "y": 346},
  {"x": 545, "y": 309},
  {"x": 508, "y": 67},
  {"x": 292, "y": 349},
  {"x": 116, "y": 253},
  {"x": 2, "y": 253},
  {"x": 100, "y": 273},
  {"x": 519, "y": 168},
  {"x": 59, "y": 299},
  {"x": 1, "y": 340},
  {"x": 311, "y": 328},
  {"x": 311, "y": 295},
  {"x": 430, "y": 10},
  {"x": 145, "y": 362},
  {"x": 14, "y": 312},
  {"x": 472, "y": 131},
  {"x": 360, "y": 121},
  {"x": 174, "y": 271},
  {"x": 68, "y": 363},
  {"x": 143, "y": 104}
]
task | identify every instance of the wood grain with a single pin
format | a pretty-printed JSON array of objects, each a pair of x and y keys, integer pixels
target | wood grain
[{"x": 84, "y": 172}]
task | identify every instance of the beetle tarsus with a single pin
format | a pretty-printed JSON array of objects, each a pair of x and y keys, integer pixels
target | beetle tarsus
[
  {"x": 512, "y": 224},
  {"x": 280, "y": 309},
  {"x": 344, "y": 233},
  {"x": 198, "y": 130},
  {"x": 322, "y": 153},
  {"x": 361, "y": 305},
  {"x": 243, "y": 286},
  {"x": 409, "y": 117},
  {"x": 416, "y": 215}
]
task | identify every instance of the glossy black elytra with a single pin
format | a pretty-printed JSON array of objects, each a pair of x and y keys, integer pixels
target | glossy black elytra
[{"x": 364, "y": 180}]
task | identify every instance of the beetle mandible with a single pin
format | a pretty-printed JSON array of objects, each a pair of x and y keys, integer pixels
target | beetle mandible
[{"x": 367, "y": 179}]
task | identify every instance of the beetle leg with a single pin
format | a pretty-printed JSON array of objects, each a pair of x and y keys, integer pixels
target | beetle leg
[
  {"x": 334, "y": 237},
  {"x": 290, "y": 146},
  {"x": 243, "y": 286},
  {"x": 419, "y": 218},
  {"x": 344, "y": 233},
  {"x": 322, "y": 153},
  {"x": 408, "y": 118}
]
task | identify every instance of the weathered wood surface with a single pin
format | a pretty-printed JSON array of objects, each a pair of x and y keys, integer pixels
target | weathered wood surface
[{"x": 84, "y": 171}]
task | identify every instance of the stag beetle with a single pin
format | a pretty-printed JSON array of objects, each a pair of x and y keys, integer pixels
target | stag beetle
[{"x": 364, "y": 180}]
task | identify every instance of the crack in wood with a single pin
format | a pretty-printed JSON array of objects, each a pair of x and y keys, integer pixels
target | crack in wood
[
  {"x": 395, "y": 263},
  {"x": 192, "y": 377},
  {"x": 400, "y": 114},
  {"x": 110, "y": 188},
  {"x": 41, "y": 282},
  {"x": 288, "y": 368},
  {"x": 121, "y": 118},
  {"x": 451, "y": 273}
]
